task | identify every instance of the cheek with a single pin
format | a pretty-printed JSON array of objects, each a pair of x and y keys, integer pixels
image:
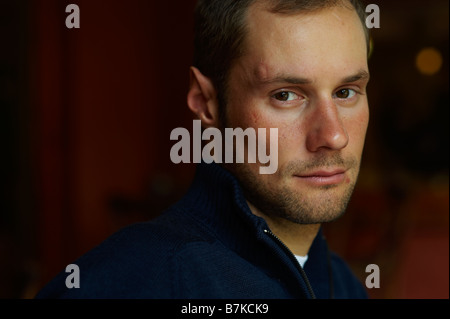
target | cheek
[
  {"x": 250, "y": 117},
  {"x": 242, "y": 114},
  {"x": 362, "y": 121},
  {"x": 357, "y": 127},
  {"x": 255, "y": 119}
]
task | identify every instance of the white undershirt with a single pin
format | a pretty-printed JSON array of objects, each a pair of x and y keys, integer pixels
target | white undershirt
[{"x": 302, "y": 260}]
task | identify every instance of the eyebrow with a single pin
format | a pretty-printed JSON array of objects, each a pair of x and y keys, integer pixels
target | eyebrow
[{"x": 361, "y": 75}]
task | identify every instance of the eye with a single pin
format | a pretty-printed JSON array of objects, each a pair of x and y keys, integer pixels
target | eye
[
  {"x": 345, "y": 93},
  {"x": 285, "y": 96}
]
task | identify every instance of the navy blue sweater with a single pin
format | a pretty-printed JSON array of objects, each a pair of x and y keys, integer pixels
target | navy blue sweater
[{"x": 207, "y": 245}]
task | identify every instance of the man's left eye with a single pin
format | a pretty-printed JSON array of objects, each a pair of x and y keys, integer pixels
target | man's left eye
[{"x": 345, "y": 93}]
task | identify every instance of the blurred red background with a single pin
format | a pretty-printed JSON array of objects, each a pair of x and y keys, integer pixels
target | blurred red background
[{"x": 86, "y": 116}]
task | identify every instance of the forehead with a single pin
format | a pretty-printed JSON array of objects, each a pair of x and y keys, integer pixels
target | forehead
[{"x": 303, "y": 42}]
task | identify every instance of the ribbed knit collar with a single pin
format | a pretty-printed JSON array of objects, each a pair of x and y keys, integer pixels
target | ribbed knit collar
[
  {"x": 217, "y": 200},
  {"x": 217, "y": 192}
]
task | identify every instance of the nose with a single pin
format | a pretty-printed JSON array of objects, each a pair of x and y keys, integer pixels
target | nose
[{"x": 325, "y": 127}]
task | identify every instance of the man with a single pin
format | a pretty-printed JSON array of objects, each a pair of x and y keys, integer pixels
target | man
[{"x": 300, "y": 67}]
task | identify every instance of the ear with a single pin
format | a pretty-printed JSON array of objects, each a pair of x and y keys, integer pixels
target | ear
[{"x": 202, "y": 99}]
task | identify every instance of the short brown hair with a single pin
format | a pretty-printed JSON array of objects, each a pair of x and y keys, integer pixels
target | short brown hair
[{"x": 220, "y": 31}]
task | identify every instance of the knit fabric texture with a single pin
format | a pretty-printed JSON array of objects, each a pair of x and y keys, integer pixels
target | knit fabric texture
[{"x": 207, "y": 245}]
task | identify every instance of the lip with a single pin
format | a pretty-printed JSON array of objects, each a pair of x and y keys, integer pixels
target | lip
[{"x": 323, "y": 177}]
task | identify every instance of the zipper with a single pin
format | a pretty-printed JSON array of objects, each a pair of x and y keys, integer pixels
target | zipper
[{"x": 291, "y": 254}]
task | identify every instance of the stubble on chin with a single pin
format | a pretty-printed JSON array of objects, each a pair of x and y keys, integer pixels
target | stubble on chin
[{"x": 277, "y": 196}]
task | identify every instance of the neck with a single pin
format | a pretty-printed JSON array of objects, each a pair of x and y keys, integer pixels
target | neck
[{"x": 297, "y": 237}]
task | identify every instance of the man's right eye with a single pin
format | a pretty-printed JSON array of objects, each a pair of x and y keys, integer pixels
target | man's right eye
[{"x": 285, "y": 96}]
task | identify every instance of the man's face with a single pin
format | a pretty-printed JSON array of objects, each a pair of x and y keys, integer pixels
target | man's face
[{"x": 305, "y": 74}]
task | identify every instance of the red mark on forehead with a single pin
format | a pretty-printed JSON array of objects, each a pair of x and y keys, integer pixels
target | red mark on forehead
[{"x": 261, "y": 72}]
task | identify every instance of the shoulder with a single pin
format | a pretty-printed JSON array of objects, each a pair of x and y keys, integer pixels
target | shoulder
[
  {"x": 138, "y": 261},
  {"x": 347, "y": 285}
]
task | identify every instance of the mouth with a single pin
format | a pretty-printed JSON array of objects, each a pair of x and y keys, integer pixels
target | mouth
[{"x": 323, "y": 177}]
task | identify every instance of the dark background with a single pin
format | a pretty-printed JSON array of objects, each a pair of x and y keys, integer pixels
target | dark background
[{"x": 86, "y": 115}]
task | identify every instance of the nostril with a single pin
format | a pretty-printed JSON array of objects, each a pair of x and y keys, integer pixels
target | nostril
[
  {"x": 340, "y": 139},
  {"x": 329, "y": 134}
]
